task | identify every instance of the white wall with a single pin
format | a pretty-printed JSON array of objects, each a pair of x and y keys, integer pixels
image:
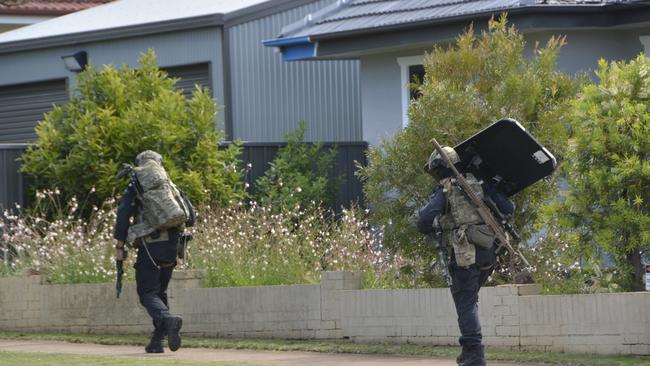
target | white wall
[
  {"x": 381, "y": 82},
  {"x": 381, "y": 95},
  {"x": 513, "y": 317}
]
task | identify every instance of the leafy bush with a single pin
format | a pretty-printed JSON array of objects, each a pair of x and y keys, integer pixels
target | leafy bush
[
  {"x": 608, "y": 171},
  {"x": 467, "y": 86},
  {"x": 299, "y": 174},
  {"x": 116, "y": 114}
]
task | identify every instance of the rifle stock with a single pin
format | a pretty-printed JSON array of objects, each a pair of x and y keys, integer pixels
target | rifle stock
[{"x": 481, "y": 207}]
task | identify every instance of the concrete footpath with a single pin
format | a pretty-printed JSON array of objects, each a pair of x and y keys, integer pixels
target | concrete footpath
[{"x": 225, "y": 355}]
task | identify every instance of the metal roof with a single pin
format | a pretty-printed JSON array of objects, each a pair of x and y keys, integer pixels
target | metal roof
[
  {"x": 46, "y": 7},
  {"x": 131, "y": 18},
  {"x": 347, "y": 16},
  {"x": 125, "y": 13}
]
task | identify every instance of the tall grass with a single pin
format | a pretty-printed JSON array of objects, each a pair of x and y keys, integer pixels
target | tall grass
[
  {"x": 239, "y": 245},
  {"x": 59, "y": 244},
  {"x": 254, "y": 245}
]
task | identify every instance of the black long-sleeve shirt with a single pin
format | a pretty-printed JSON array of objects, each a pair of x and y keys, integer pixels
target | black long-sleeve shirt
[{"x": 438, "y": 201}]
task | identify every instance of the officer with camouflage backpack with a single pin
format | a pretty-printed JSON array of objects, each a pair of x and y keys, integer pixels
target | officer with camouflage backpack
[
  {"x": 471, "y": 243},
  {"x": 161, "y": 212}
]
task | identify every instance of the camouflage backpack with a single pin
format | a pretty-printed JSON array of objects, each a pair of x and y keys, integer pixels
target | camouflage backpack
[{"x": 162, "y": 203}]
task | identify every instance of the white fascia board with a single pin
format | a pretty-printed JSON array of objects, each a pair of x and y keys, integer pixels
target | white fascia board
[
  {"x": 645, "y": 40},
  {"x": 404, "y": 63},
  {"x": 21, "y": 19}
]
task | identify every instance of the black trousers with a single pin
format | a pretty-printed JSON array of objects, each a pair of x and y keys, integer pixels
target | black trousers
[
  {"x": 465, "y": 287},
  {"x": 152, "y": 285}
]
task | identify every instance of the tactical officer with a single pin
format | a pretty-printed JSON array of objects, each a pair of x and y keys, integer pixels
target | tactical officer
[
  {"x": 471, "y": 244},
  {"x": 154, "y": 265}
]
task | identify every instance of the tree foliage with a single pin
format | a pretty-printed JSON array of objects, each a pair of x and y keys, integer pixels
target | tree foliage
[
  {"x": 467, "y": 86},
  {"x": 608, "y": 208},
  {"x": 117, "y": 113},
  {"x": 299, "y": 174}
]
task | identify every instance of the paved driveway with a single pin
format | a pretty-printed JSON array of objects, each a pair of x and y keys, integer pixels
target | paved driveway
[{"x": 224, "y": 355}]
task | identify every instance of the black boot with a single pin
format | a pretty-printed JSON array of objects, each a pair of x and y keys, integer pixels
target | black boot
[
  {"x": 475, "y": 356},
  {"x": 172, "y": 327},
  {"x": 155, "y": 344},
  {"x": 463, "y": 355}
]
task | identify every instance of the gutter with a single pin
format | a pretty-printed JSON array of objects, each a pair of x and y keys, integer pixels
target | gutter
[
  {"x": 524, "y": 10},
  {"x": 173, "y": 25},
  {"x": 294, "y": 49}
]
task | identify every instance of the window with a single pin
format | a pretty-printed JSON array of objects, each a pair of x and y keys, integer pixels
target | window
[{"x": 411, "y": 68}]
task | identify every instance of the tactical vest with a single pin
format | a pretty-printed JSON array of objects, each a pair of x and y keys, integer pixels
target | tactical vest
[
  {"x": 163, "y": 207},
  {"x": 461, "y": 216},
  {"x": 460, "y": 210}
]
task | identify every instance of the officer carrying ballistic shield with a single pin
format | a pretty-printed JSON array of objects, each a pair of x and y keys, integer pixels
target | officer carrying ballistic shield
[{"x": 470, "y": 243}]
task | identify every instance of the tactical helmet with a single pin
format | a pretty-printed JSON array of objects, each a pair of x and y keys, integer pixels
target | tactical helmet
[
  {"x": 148, "y": 155},
  {"x": 436, "y": 162}
]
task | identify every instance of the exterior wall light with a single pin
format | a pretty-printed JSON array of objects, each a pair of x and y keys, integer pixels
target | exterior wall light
[{"x": 76, "y": 62}]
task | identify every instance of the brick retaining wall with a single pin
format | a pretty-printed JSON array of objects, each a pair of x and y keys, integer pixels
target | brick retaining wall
[{"x": 512, "y": 316}]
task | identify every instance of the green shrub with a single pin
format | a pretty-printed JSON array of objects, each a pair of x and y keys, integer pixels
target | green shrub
[
  {"x": 608, "y": 208},
  {"x": 299, "y": 174},
  {"x": 467, "y": 86},
  {"x": 116, "y": 114}
]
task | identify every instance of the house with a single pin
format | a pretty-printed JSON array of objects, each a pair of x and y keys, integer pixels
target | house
[
  {"x": 213, "y": 43},
  {"x": 19, "y": 13},
  {"x": 390, "y": 37}
]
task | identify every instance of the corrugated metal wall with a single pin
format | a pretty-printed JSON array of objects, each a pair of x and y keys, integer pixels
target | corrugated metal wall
[
  {"x": 189, "y": 76},
  {"x": 22, "y": 106},
  {"x": 12, "y": 183},
  {"x": 270, "y": 97}
]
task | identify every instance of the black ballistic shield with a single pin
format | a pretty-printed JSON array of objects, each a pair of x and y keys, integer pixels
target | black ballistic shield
[{"x": 506, "y": 151}]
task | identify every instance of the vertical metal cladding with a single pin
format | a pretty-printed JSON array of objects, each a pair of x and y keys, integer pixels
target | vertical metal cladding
[
  {"x": 12, "y": 183},
  {"x": 270, "y": 97}
]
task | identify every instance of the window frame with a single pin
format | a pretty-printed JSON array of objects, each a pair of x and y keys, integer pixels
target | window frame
[{"x": 405, "y": 63}]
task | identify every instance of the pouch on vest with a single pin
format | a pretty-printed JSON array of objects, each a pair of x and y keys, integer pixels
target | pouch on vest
[
  {"x": 481, "y": 235},
  {"x": 464, "y": 251}
]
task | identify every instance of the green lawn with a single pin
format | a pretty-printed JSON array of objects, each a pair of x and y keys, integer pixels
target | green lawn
[
  {"x": 45, "y": 359},
  {"x": 343, "y": 346}
]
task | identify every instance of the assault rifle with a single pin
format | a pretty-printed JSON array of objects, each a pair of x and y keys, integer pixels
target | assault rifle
[
  {"x": 435, "y": 237},
  {"x": 483, "y": 210},
  {"x": 128, "y": 169},
  {"x": 119, "y": 265}
]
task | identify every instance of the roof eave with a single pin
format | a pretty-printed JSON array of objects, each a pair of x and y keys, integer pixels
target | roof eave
[
  {"x": 52, "y": 12},
  {"x": 203, "y": 21},
  {"x": 529, "y": 18},
  {"x": 580, "y": 9}
]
